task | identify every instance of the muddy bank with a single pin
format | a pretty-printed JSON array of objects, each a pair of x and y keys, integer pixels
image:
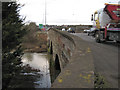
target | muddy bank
[
  {"x": 35, "y": 43},
  {"x": 35, "y": 48},
  {"x": 26, "y": 78}
]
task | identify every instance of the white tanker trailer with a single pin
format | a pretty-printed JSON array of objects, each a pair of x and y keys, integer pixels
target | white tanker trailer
[{"x": 106, "y": 22}]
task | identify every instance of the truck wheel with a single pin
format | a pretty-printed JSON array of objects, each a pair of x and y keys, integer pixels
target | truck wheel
[
  {"x": 117, "y": 41},
  {"x": 97, "y": 37},
  {"x": 88, "y": 34}
]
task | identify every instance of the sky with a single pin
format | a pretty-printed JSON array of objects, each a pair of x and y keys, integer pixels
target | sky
[{"x": 61, "y": 12}]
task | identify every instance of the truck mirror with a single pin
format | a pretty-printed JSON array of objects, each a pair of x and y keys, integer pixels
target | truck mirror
[{"x": 92, "y": 17}]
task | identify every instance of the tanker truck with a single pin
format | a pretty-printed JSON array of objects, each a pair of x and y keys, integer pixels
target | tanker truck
[{"x": 106, "y": 23}]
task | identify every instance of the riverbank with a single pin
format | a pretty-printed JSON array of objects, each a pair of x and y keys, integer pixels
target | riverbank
[
  {"x": 34, "y": 74},
  {"x": 36, "y": 43},
  {"x": 26, "y": 78},
  {"x": 35, "y": 68}
]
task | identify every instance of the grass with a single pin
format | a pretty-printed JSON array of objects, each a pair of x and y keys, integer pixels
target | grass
[{"x": 100, "y": 81}]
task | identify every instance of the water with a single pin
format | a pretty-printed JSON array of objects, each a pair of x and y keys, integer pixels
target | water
[{"x": 38, "y": 61}]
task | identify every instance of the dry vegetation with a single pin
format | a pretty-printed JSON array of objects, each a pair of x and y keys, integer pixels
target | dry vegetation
[{"x": 35, "y": 40}]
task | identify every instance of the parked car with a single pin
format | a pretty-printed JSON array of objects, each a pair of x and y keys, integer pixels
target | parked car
[
  {"x": 63, "y": 29},
  {"x": 71, "y": 30}
]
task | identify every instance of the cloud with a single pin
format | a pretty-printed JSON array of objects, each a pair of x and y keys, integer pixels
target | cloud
[{"x": 60, "y": 11}]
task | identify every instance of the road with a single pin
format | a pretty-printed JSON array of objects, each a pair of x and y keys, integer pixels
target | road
[{"x": 105, "y": 56}]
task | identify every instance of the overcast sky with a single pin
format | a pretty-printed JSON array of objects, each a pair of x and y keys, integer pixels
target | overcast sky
[{"x": 59, "y": 12}]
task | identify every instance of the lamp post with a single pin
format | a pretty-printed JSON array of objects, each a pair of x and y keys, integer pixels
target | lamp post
[{"x": 45, "y": 14}]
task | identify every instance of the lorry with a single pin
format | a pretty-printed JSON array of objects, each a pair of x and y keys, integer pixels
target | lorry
[{"x": 106, "y": 23}]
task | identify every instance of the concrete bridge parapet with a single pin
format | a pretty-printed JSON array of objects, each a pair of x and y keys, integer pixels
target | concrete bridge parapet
[
  {"x": 72, "y": 56},
  {"x": 62, "y": 45}
]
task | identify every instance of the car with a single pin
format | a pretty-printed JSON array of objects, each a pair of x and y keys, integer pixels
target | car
[
  {"x": 63, "y": 29},
  {"x": 86, "y": 31},
  {"x": 71, "y": 30},
  {"x": 91, "y": 32}
]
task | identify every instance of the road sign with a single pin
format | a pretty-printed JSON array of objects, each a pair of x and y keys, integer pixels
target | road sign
[{"x": 41, "y": 26}]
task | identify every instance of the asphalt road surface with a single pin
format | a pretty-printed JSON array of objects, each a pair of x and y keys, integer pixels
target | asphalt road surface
[{"x": 105, "y": 56}]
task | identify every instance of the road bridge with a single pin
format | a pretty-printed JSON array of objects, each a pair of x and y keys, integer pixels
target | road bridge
[{"x": 72, "y": 60}]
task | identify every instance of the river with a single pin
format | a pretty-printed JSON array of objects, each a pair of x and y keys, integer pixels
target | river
[{"x": 38, "y": 61}]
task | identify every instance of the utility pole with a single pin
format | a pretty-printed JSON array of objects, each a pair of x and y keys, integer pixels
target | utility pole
[{"x": 45, "y": 14}]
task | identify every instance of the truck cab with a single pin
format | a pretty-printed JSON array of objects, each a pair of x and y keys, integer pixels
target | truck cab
[{"x": 107, "y": 23}]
